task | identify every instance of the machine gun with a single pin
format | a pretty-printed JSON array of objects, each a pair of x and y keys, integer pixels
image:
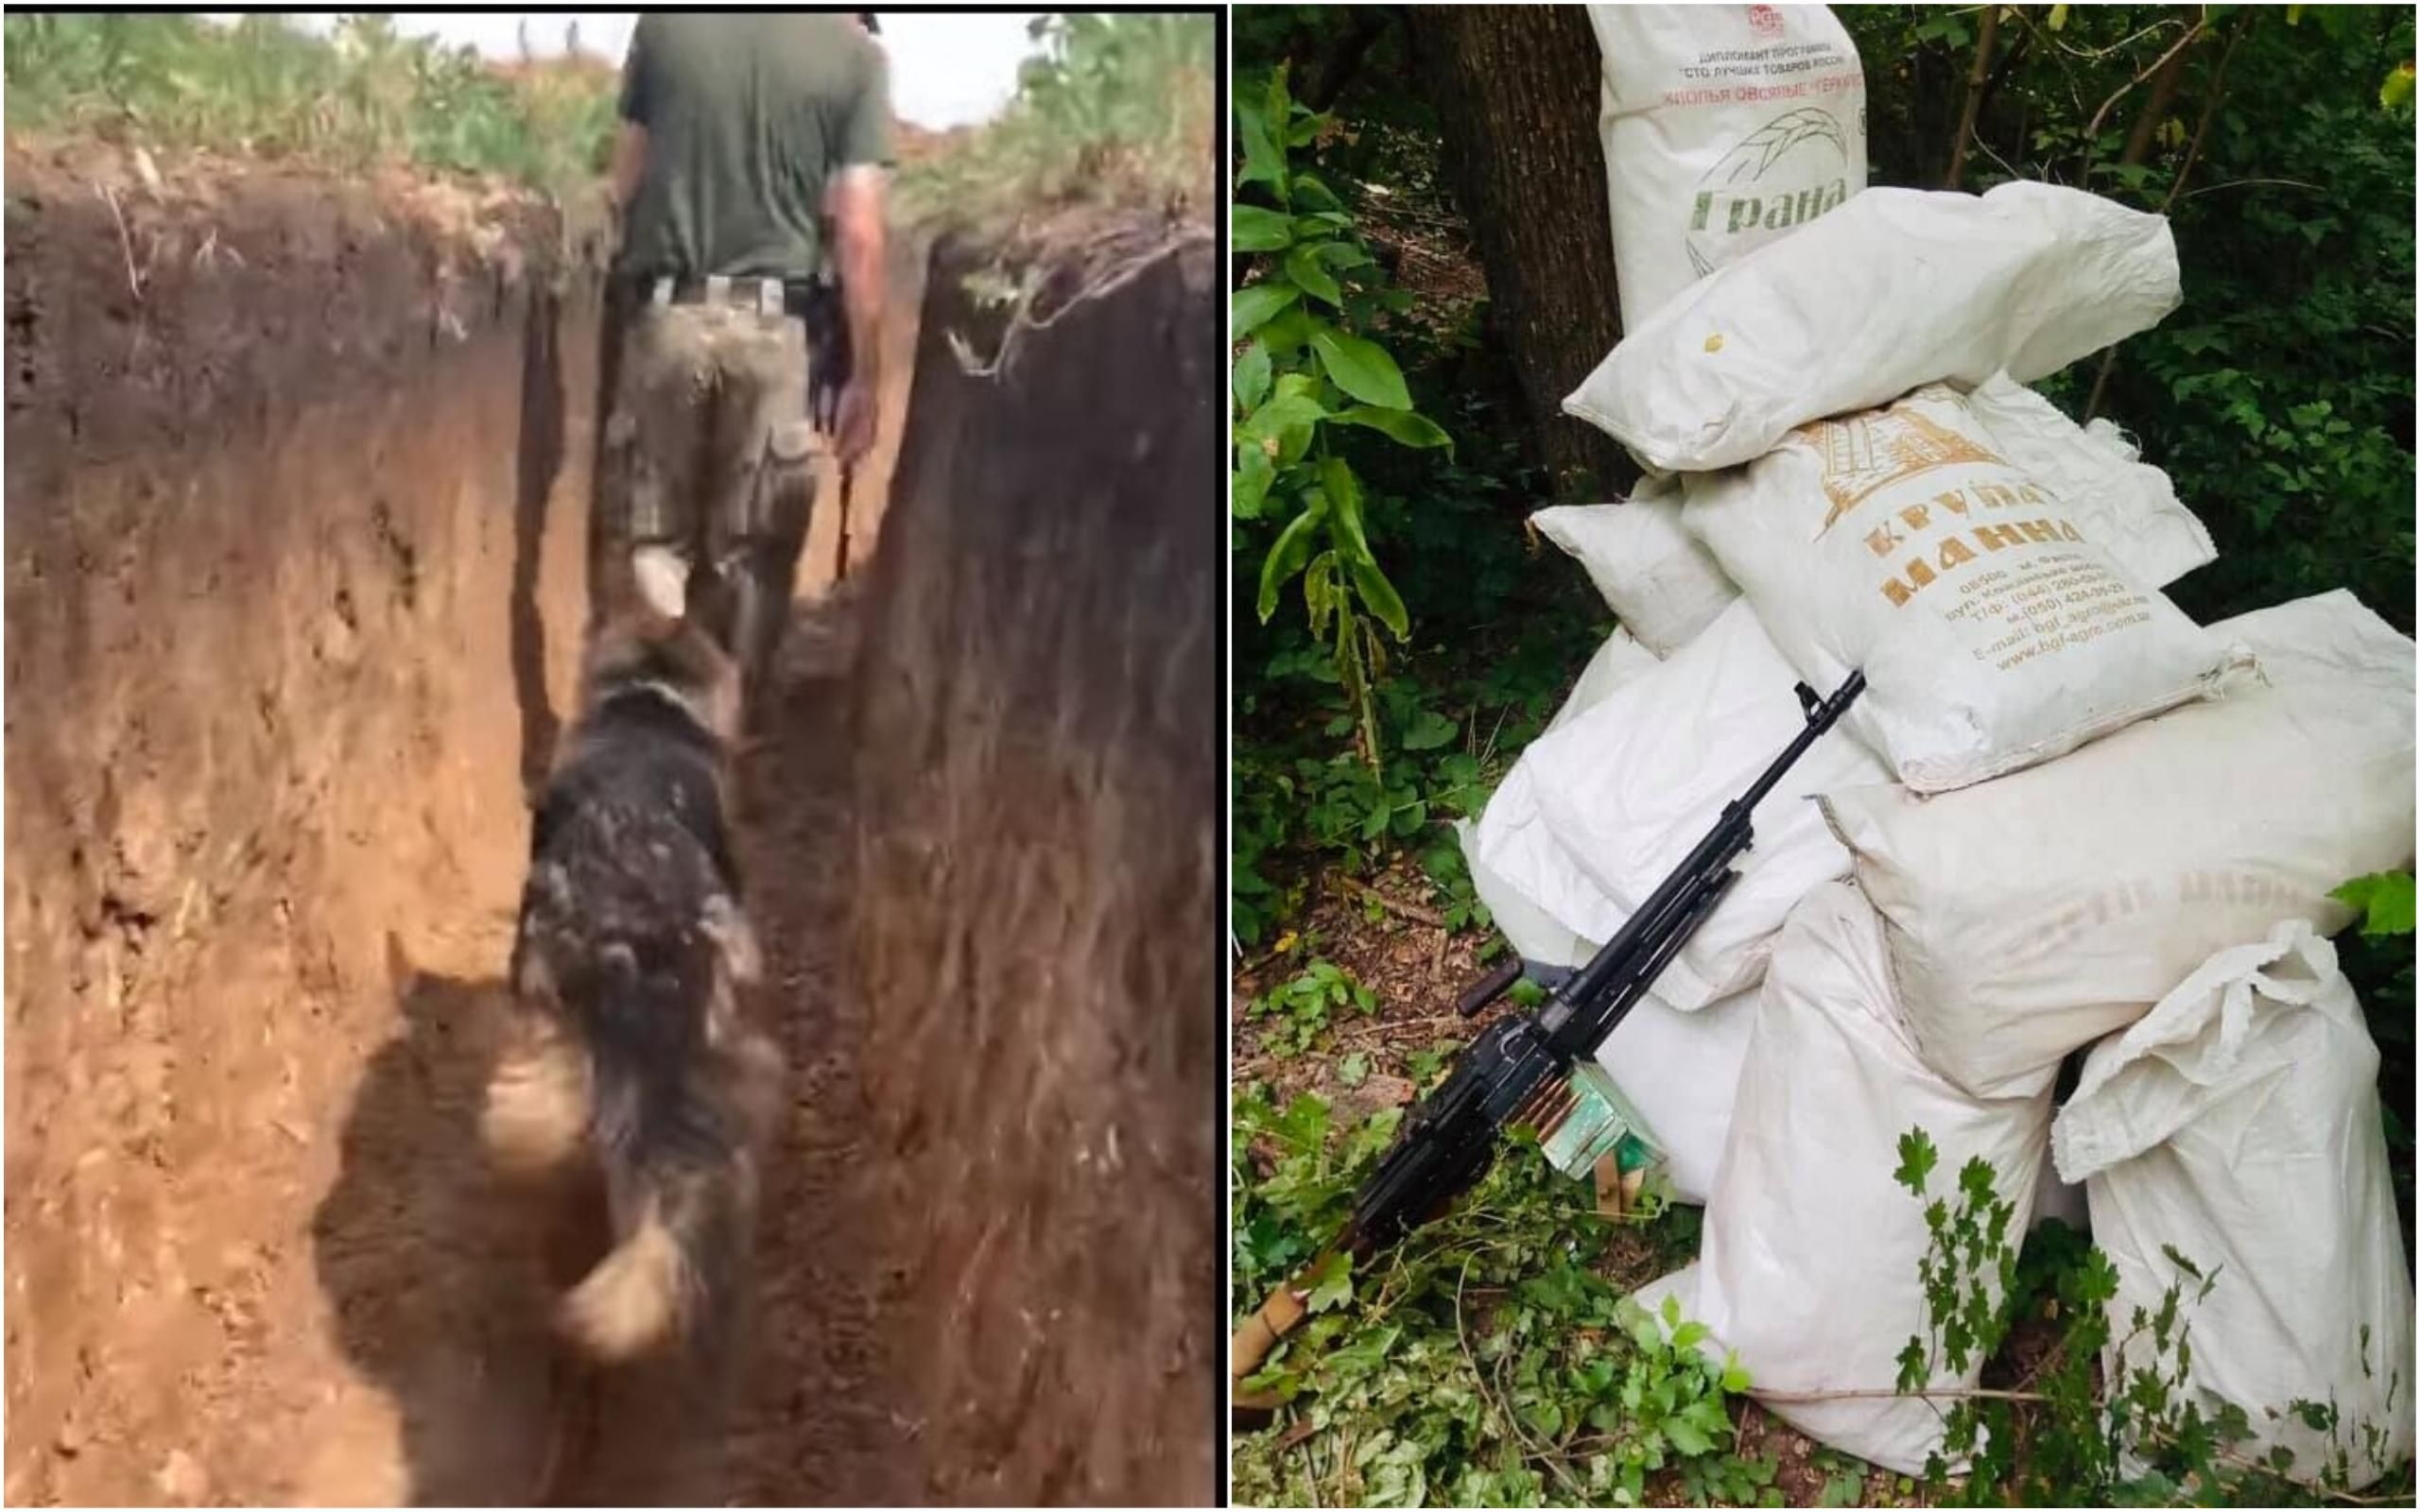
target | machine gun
[{"x": 1519, "y": 1070}]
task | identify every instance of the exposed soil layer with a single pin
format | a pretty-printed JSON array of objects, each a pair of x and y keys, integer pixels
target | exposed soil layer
[
  {"x": 297, "y": 489},
  {"x": 288, "y": 606},
  {"x": 1035, "y": 923}
]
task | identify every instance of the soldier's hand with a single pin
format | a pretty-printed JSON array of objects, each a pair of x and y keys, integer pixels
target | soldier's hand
[{"x": 852, "y": 436}]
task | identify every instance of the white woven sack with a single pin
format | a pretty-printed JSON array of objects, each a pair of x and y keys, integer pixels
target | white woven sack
[
  {"x": 2239, "y": 1123},
  {"x": 1625, "y": 791},
  {"x": 1512, "y": 858},
  {"x": 1895, "y": 289},
  {"x": 1725, "y": 126},
  {"x": 2126, "y": 505},
  {"x": 1659, "y": 582},
  {"x": 1808, "y": 1259},
  {"x": 1994, "y": 615},
  {"x": 2030, "y": 916}
]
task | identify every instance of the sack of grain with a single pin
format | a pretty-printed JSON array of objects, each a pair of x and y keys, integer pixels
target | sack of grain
[
  {"x": 1895, "y": 289},
  {"x": 1998, "y": 618},
  {"x": 2238, "y": 1125},
  {"x": 1513, "y": 860},
  {"x": 1725, "y": 126},
  {"x": 1659, "y": 582},
  {"x": 1624, "y": 791},
  {"x": 1807, "y": 1265},
  {"x": 2118, "y": 499},
  {"x": 2030, "y": 916}
]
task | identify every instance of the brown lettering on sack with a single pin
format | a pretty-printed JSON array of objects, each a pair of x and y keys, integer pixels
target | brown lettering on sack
[{"x": 1863, "y": 453}]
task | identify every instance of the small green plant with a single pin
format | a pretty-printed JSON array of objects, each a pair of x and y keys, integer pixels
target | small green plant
[
  {"x": 1303, "y": 1007},
  {"x": 1306, "y": 364},
  {"x": 1114, "y": 111},
  {"x": 2068, "y": 1436},
  {"x": 1488, "y": 1361},
  {"x": 2384, "y": 898}
]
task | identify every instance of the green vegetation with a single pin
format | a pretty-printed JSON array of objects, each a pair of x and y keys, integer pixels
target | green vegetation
[
  {"x": 2067, "y": 1436},
  {"x": 1487, "y": 1361},
  {"x": 1117, "y": 111},
  {"x": 361, "y": 98},
  {"x": 1473, "y": 1367}
]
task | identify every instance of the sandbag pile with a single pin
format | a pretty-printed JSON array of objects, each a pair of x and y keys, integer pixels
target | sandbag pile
[{"x": 2062, "y": 819}]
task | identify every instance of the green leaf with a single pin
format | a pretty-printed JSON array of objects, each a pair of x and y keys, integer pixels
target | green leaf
[
  {"x": 1256, "y": 230},
  {"x": 1344, "y": 496},
  {"x": 1429, "y": 730},
  {"x": 1292, "y": 549},
  {"x": 1402, "y": 425},
  {"x": 1249, "y": 309},
  {"x": 1288, "y": 332},
  {"x": 1688, "y": 1336},
  {"x": 1332, "y": 1282},
  {"x": 1360, "y": 367},
  {"x": 1263, "y": 160},
  {"x": 1735, "y": 1375},
  {"x": 1314, "y": 191},
  {"x": 2396, "y": 91},
  {"x": 1917, "y": 1160},
  {"x": 1289, "y": 411},
  {"x": 1303, "y": 265},
  {"x": 1380, "y": 598},
  {"x": 1250, "y": 489},
  {"x": 2385, "y": 899},
  {"x": 1252, "y": 377},
  {"x": 1688, "y": 1437}
]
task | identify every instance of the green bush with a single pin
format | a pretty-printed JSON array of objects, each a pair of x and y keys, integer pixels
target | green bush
[{"x": 262, "y": 87}]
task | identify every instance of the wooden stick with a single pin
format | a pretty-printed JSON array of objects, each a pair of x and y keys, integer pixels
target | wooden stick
[{"x": 1975, "y": 78}]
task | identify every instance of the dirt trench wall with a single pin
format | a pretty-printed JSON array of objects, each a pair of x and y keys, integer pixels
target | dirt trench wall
[
  {"x": 1035, "y": 947},
  {"x": 296, "y": 481}
]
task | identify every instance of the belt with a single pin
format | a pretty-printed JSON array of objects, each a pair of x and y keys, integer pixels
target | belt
[{"x": 766, "y": 296}]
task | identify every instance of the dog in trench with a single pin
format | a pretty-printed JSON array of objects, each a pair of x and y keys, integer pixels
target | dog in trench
[{"x": 630, "y": 1058}]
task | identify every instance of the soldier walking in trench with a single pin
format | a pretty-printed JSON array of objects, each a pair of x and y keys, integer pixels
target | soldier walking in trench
[{"x": 750, "y": 161}]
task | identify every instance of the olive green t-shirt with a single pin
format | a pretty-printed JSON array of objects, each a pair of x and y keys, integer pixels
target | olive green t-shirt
[{"x": 748, "y": 114}]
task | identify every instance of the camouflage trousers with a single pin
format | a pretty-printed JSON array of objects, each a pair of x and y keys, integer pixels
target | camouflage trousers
[{"x": 706, "y": 474}]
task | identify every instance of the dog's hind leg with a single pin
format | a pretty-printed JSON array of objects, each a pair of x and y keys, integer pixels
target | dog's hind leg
[{"x": 538, "y": 1101}]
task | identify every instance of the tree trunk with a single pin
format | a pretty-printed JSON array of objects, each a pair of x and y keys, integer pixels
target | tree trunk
[{"x": 1515, "y": 90}]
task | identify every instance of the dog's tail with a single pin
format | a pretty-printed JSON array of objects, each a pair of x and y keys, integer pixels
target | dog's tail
[{"x": 676, "y": 1127}]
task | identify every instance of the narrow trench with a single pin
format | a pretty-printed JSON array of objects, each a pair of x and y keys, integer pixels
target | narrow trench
[{"x": 812, "y": 1418}]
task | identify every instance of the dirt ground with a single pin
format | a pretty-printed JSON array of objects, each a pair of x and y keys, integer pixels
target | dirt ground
[{"x": 296, "y": 485}]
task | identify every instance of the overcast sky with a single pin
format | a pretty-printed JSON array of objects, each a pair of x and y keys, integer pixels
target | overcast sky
[{"x": 946, "y": 68}]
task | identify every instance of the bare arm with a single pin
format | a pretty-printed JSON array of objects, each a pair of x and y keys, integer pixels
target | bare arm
[
  {"x": 629, "y": 162},
  {"x": 855, "y": 202}
]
